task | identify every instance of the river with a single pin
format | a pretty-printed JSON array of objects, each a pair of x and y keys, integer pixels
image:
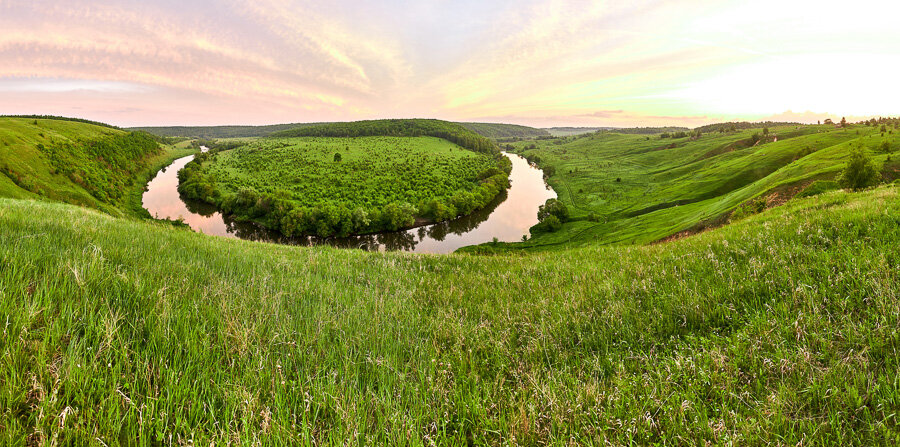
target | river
[{"x": 507, "y": 218}]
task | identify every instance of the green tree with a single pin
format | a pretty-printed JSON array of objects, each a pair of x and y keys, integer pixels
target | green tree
[
  {"x": 553, "y": 207},
  {"x": 337, "y": 157},
  {"x": 766, "y": 131},
  {"x": 860, "y": 172}
]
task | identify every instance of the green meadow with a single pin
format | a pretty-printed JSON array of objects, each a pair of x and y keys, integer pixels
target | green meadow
[
  {"x": 777, "y": 326},
  {"x": 634, "y": 189},
  {"x": 80, "y": 163}
]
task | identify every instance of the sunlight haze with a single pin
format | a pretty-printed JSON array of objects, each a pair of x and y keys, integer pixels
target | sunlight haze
[{"x": 539, "y": 63}]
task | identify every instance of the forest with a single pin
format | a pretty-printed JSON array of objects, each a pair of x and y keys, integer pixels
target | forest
[
  {"x": 452, "y": 132},
  {"x": 342, "y": 186}
]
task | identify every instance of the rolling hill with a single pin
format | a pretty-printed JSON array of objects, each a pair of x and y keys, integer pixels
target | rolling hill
[
  {"x": 78, "y": 162},
  {"x": 779, "y": 328},
  {"x": 633, "y": 188}
]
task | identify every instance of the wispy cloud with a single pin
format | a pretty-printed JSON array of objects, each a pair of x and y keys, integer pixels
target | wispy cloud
[{"x": 529, "y": 60}]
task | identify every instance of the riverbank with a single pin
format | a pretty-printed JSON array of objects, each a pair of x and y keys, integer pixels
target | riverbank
[{"x": 507, "y": 218}]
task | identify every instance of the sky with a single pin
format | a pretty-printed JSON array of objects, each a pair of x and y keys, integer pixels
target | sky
[{"x": 540, "y": 63}]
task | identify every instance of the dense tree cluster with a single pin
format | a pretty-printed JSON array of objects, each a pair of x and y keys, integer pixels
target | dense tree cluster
[
  {"x": 377, "y": 184},
  {"x": 105, "y": 166},
  {"x": 451, "y": 132},
  {"x": 505, "y": 131},
  {"x": 735, "y": 126},
  {"x": 646, "y": 130},
  {"x": 860, "y": 171},
  {"x": 551, "y": 215}
]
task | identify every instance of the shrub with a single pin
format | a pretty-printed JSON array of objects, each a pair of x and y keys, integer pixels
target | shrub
[
  {"x": 819, "y": 187},
  {"x": 860, "y": 172},
  {"x": 554, "y": 208},
  {"x": 548, "y": 225}
]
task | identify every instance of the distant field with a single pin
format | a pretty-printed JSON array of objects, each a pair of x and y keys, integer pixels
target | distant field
[
  {"x": 220, "y": 132},
  {"x": 497, "y": 131},
  {"x": 641, "y": 188},
  {"x": 571, "y": 131},
  {"x": 489, "y": 130},
  {"x": 426, "y": 177}
]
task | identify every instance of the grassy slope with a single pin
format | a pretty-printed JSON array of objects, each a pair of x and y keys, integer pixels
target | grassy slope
[
  {"x": 220, "y": 132},
  {"x": 495, "y": 131},
  {"x": 667, "y": 190},
  {"x": 19, "y": 138},
  {"x": 781, "y": 328},
  {"x": 489, "y": 130}
]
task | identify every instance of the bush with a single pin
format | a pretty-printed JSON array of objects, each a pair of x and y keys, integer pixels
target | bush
[
  {"x": 554, "y": 208},
  {"x": 548, "y": 225},
  {"x": 860, "y": 172},
  {"x": 749, "y": 208},
  {"x": 819, "y": 187}
]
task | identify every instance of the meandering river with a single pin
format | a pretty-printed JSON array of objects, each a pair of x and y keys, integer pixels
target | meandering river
[{"x": 507, "y": 218}]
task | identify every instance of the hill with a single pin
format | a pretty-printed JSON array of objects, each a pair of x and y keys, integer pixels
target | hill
[
  {"x": 780, "y": 328},
  {"x": 451, "y": 132},
  {"x": 220, "y": 132},
  {"x": 572, "y": 131},
  {"x": 631, "y": 188},
  {"x": 501, "y": 131},
  {"x": 77, "y": 161}
]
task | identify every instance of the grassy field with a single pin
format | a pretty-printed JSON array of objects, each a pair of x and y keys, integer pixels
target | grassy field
[
  {"x": 53, "y": 172},
  {"x": 357, "y": 181},
  {"x": 641, "y": 188},
  {"x": 779, "y": 329}
]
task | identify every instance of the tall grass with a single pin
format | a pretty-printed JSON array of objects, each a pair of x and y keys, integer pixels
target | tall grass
[{"x": 779, "y": 329}]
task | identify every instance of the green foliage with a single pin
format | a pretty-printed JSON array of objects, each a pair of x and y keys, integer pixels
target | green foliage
[
  {"x": 302, "y": 186},
  {"x": 553, "y": 207},
  {"x": 548, "y": 224},
  {"x": 749, "y": 208},
  {"x": 104, "y": 167},
  {"x": 504, "y": 131},
  {"x": 59, "y": 118},
  {"x": 78, "y": 162},
  {"x": 651, "y": 190},
  {"x": 779, "y": 329},
  {"x": 221, "y": 132},
  {"x": 451, "y": 132},
  {"x": 818, "y": 187},
  {"x": 860, "y": 172}
]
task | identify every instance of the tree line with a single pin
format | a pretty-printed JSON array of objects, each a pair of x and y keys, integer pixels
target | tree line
[{"x": 451, "y": 132}]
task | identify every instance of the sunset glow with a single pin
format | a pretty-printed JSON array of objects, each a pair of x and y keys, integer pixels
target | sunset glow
[{"x": 539, "y": 62}]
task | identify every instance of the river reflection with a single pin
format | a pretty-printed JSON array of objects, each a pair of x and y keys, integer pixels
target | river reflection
[{"x": 507, "y": 218}]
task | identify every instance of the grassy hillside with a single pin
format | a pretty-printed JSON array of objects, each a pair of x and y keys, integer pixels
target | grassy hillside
[
  {"x": 779, "y": 329},
  {"x": 497, "y": 131},
  {"x": 489, "y": 130},
  {"x": 451, "y": 132},
  {"x": 327, "y": 186},
  {"x": 220, "y": 132},
  {"x": 78, "y": 162},
  {"x": 638, "y": 188}
]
